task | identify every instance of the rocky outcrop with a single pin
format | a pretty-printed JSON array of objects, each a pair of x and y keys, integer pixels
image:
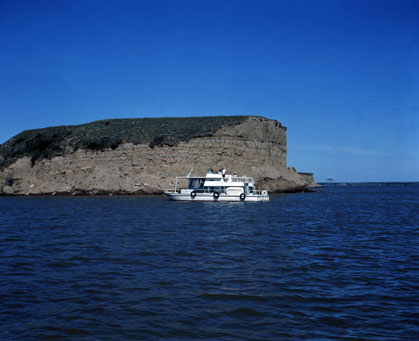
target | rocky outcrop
[
  {"x": 76, "y": 161},
  {"x": 309, "y": 178}
]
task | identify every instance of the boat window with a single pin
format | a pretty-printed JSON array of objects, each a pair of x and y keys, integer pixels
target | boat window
[
  {"x": 196, "y": 183},
  {"x": 250, "y": 189}
]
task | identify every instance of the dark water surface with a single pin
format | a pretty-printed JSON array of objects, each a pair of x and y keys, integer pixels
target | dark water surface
[{"x": 339, "y": 264}]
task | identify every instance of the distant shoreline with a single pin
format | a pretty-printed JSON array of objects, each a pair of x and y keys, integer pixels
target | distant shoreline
[{"x": 354, "y": 184}]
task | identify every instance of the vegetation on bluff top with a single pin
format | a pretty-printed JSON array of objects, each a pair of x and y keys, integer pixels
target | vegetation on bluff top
[{"x": 99, "y": 135}]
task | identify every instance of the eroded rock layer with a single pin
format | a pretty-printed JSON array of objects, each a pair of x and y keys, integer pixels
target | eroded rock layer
[
  {"x": 309, "y": 178},
  {"x": 71, "y": 160}
]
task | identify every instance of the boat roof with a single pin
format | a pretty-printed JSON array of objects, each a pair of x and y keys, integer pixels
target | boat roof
[
  {"x": 213, "y": 175},
  {"x": 219, "y": 177},
  {"x": 190, "y": 177}
]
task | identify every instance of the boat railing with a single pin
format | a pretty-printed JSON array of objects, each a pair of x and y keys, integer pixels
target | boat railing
[
  {"x": 241, "y": 179},
  {"x": 207, "y": 190},
  {"x": 260, "y": 192},
  {"x": 171, "y": 191}
]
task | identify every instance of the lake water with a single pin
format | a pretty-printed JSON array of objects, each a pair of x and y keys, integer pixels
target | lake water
[{"x": 341, "y": 263}]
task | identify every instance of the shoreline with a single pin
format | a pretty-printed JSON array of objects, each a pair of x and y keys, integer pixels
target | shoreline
[{"x": 120, "y": 194}]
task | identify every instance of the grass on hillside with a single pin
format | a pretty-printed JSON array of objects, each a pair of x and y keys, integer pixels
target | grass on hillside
[{"x": 46, "y": 143}]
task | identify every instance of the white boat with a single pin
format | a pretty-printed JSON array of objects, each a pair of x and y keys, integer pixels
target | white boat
[{"x": 217, "y": 187}]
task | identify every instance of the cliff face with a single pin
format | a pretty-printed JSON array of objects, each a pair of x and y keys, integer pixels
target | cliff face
[{"x": 68, "y": 160}]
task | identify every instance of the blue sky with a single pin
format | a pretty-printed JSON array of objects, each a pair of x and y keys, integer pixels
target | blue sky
[{"x": 341, "y": 75}]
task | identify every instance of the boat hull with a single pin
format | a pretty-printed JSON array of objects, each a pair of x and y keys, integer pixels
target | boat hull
[{"x": 210, "y": 197}]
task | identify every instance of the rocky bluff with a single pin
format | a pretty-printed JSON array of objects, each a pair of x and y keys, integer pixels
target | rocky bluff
[{"x": 127, "y": 156}]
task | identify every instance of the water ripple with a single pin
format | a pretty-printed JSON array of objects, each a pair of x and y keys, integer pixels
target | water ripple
[{"x": 338, "y": 264}]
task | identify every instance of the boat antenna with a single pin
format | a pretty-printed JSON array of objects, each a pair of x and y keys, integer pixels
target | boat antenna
[{"x": 190, "y": 172}]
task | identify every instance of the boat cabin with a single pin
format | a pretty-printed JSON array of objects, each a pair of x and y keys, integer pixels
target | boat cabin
[{"x": 216, "y": 183}]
